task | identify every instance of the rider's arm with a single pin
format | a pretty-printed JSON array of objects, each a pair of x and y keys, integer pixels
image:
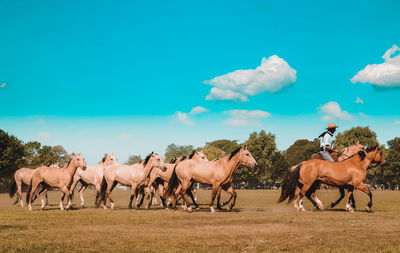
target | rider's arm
[{"x": 331, "y": 149}]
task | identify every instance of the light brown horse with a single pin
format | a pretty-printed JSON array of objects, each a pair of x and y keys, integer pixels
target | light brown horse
[
  {"x": 164, "y": 177},
  {"x": 55, "y": 177},
  {"x": 129, "y": 175},
  {"x": 352, "y": 171},
  {"x": 214, "y": 173},
  {"x": 23, "y": 176},
  {"x": 92, "y": 175},
  {"x": 345, "y": 154}
]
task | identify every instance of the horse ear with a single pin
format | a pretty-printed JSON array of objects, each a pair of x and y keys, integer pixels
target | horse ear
[
  {"x": 245, "y": 147},
  {"x": 377, "y": 147},
  {"x": 357, "y": 142}
]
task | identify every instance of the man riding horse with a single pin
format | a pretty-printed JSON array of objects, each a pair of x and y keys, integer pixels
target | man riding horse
[{"x": 326, "y": 139}]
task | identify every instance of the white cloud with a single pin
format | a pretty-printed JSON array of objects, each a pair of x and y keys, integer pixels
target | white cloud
[
  {"x": 198, "y": 110},
  {"x": 41, "y": 121},
  {"x": 3, "y": 85},
  {"x": 386, "y": 74},
  {"x": 273, "y": 74},
  {"x": 359, "y": 100},
  {"x": 363, "y": 115},
  {"x": 184, "y": 118},
  {"x": 44, "y": 135},
  {"x": 124, "y": 136},
  {"x": 245, "y": 117},
  {"x": 397, "y": 122},
  {"x": 333, "y": 111}
]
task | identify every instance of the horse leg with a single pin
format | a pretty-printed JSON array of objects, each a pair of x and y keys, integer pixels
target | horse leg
[
  {"x": 132, "y": 195},
  {"x": 83, "y": 188},
  {"x": 139, "y": 203},
  {"x": 296, "y": 202},
  {"x": 32, "y": 193},
  {"x": 176, "y": 194},
  {"x": 160, "y": 194},
  {"x": 353, "y": 202},
  {"x": 46, "y": 197},
  {"x": 231, "y": 192},
  {"x": 19, "y": 193},
  {"x": 348, "y": 206},
  {"x": 186, "y": 204},
  {"x": 341, "y": 190},
  {"x": 42, "y": 192},
  {"x": 216, "y": 188},
  {"x": 152, "y": 197},
  {"x": 233, "y": 195},
  {"x": 98, "y": 190},
  {"x": 109, "y": 189},
  {"x": 362, "y": 187},
  {"x": 194, "y": 199}
]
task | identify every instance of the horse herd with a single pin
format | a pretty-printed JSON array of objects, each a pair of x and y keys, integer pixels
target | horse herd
[{"x": 176, "y": 179}]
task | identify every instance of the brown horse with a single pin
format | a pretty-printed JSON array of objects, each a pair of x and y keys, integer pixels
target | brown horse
[
  {"x": 55, "y": 177},
  {"x": 129, "y": 175},
  {"x": 92, "y": 175},
  {"x": 164, "y": 176},
  {"x": 352, "y": 171},
  {"x": 214, "y": 173},
  {"x": 23, "y": 176}
]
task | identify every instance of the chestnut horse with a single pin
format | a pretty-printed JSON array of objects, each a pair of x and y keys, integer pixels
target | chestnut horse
[
  {"x": 214, "y": 173},
  {"x": 23, "y": 176},
  {"x": 164, "y": 176},
  {"x": 93, "y": 175},
  {"x": 55, "y": 177},
  {"x": 352, "y": 171},
  {"x": 129, "y": 175}
]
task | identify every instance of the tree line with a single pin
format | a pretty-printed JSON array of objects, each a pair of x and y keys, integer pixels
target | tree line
[{"x": 272, "y": 163}]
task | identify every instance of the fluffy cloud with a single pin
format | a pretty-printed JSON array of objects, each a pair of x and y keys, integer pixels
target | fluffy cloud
[
  {"x": 124, "y": 136},
  {"x": 273, "y": 74},
  {"x": 198, "y": 110},
  {"x": 397, "y": 122},
  {"x": 359, "y": 100},
  {"x": 386, "y": 74},
  {"x": 184, "y": 118},
  {"x": 3, "y": 85},
  {"x": 245, "y": 117},
  {"x": 363, "y": 115},
  {"x": 333, "y": 111},
  {"x": 44, "y": 135}
]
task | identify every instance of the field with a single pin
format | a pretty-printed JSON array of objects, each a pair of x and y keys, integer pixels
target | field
[{"x": 257, "y": 224}]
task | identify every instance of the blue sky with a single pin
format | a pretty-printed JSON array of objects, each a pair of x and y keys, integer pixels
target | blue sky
[{"x": 123, "y": 76}]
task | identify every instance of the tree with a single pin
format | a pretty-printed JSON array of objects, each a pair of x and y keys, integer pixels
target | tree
[
  {"x": 279, "y": 167},
  {"x": 174, "y": 150},
  {"x": 134, "y": 159},
  {"x": 262, "y": 146},
  {"x": 301, "y": 150},
  {"x": 12, "y": 153},
  {"x": 226, "y": 146},
  {"x": 362, "y": 134},
  {"x": 212, "y": 152}
]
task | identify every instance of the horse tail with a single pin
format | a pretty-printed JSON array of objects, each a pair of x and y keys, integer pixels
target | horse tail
[
  {"x": 13, "y": 187},
  {"x": 103, "y": 189},
  {"x": 172, "y": 184},
  {"x": 290, "y": 184}
]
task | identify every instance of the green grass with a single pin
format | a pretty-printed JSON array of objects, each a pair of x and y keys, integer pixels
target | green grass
[{"x": 257, "y": 224}]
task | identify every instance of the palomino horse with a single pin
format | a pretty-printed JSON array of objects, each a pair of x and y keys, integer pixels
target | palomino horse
[
  {"x": 129, "y": 175},
  {"x": 214, "y": 173},
  {"x": 165, "y": 176},
  {"x": 352, "y": 171},
  {"x": 23, "y": 176},
  {"x": 55, "y": 177},
  {"x": 93, "y": 175}
]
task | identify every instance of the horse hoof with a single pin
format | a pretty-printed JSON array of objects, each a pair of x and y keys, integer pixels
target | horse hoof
[
  {"x": 229, "y": 208},
  {"x": 212, "y": 209},
  {"x": 189, "y": 209},
  {"x": 198, "y": 208},
  {"x": 333, "y": 205},
  {"x": 184, "y": 208},
  {"x": 368, "y": 209}
]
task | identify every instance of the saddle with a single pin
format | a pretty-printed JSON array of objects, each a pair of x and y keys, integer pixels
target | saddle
[{"x": 318, "y": 156}]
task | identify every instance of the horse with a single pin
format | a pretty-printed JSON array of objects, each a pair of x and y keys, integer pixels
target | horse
[
  {"x": 346, "y": 153},
  {"x": 55, "y": 177},
  {"x": 93, "y": 175},
  {"x": 23, "y": 176},
  {"x": 164, "y": 177},
  {"x": 352, "y": 171},
  {"x": 214, "y": 173},
  {"x": 129, "y": 175}
]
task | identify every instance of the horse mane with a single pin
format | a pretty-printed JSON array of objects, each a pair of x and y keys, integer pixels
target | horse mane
[
  {"x": 147, "y": 159},
  {"x": 192, "y": 154},
  {"x": 234, "y": 153},
  {"x": 173, "y": 160},
  {"x": 104, "y": 158},
  {"x": 184, "y": 157},
  {"x": 362, "y": 153}
]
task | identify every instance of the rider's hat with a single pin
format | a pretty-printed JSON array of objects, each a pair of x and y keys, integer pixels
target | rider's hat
[{"x": 332, "y": 125}]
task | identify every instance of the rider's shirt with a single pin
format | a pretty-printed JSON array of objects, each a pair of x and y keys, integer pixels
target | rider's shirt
[{"x": 327, "y": 140}]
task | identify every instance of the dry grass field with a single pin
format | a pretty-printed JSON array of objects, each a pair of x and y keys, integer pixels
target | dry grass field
[{"x": 257, "y": 224}]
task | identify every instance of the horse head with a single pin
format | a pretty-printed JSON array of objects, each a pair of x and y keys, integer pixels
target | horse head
[
  {"x": 78, "y": 161},
  {"x": 244, "y": 156},
  {"x": 376, "y": 156},
  {"x": 109, "y": 159},
  {"x": 154, "y": 160},
  {"x": 198, "y": 156}
]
